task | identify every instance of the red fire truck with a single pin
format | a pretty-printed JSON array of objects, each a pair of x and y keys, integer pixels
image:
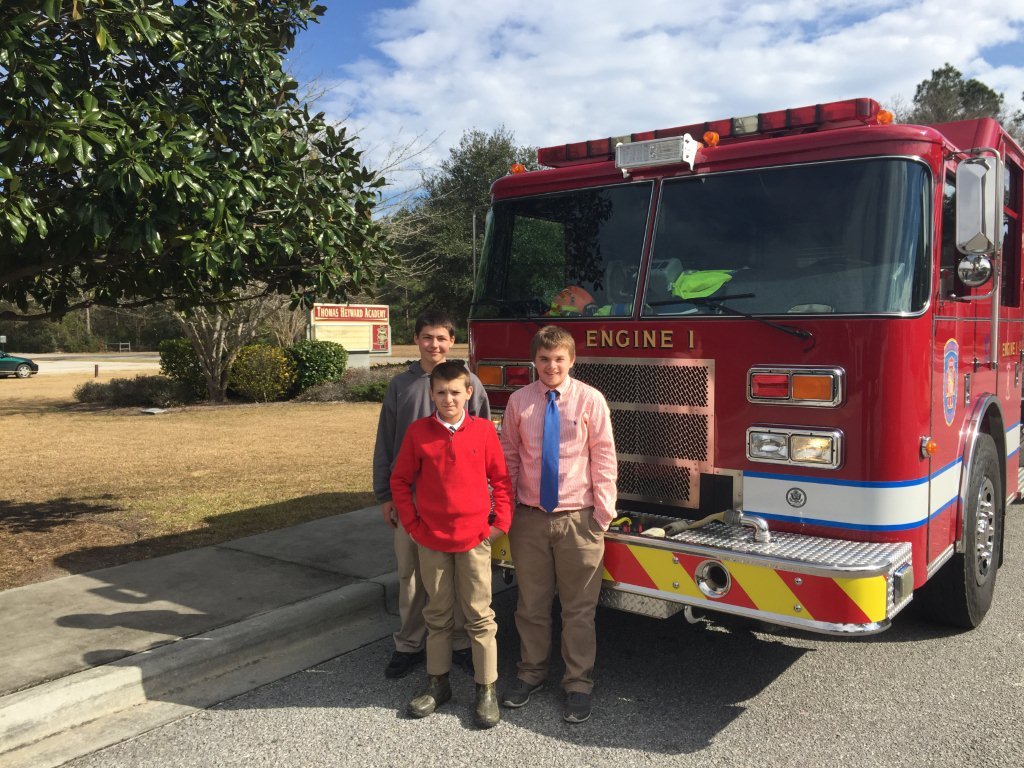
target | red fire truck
[{"x": 808, "y": 326}]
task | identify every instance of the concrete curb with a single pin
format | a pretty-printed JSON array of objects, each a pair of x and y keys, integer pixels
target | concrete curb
[{"x": 57, "y": 721}]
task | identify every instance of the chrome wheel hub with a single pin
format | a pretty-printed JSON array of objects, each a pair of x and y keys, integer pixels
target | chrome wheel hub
[{"x": 985, "y": 530}]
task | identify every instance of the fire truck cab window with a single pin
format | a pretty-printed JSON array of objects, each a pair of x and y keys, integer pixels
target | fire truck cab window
[
  {"x": 948, "y": 254},
  {"x": 1011, "y": 253},
  {"x": 831, "y": 238},
  {"x": 572, "y": 254}
]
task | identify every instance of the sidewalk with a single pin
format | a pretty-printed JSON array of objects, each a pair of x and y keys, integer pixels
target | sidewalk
[{"x": 92, "y": 659}]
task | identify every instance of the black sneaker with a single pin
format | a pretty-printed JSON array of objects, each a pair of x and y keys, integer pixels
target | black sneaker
[
  {"x": 577, "y": 707},
  {"x": 463, "y": 659},
  {"x": 402, "y": 663},
  {"x": 517, "y": 694}
]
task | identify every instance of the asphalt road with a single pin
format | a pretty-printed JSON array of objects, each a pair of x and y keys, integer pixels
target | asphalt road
[
  {"x": 668, "y": 694},
  {"x": 144, "y": 362},
  {"x": 61, "y": 362}
]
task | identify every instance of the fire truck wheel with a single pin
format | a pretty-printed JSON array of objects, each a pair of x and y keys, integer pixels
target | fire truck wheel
[{"x": 961, "y": 592}]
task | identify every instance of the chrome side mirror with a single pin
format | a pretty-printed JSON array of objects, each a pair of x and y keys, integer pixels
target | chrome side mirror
[
  {"x": 974, "y": 270},
  {"x": 979, "y": 204}
]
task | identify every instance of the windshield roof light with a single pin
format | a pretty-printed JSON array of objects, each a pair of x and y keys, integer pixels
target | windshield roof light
[{"x": 643, "y": 154}]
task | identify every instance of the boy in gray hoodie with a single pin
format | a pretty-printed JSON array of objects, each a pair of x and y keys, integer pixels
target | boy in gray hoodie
[{"x": 407, "y": 399}]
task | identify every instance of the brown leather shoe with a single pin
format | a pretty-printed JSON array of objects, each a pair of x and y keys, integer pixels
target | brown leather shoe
[
  {"x": 437, "y": 692},
  {"x": 486, "y": 714}
]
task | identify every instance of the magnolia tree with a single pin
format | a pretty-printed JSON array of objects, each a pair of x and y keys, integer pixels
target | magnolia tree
[{"x": 155, "y": 150}]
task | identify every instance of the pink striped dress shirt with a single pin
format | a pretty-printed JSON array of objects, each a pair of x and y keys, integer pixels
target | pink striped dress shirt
[{"x": 587, "y": 467}]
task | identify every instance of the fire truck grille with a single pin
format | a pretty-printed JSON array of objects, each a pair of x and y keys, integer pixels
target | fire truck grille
[
  {"x": 662, "y": 419},
  {"x": 654, "y": 482},
  {"x": 645, "y": 384},
  {"x": 671, "y": 435}
]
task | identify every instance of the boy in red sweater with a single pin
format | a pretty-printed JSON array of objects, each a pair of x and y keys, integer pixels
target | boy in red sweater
[{"x": 439, "y": 486}]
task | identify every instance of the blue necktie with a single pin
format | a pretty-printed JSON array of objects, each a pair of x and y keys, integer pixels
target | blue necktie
[{"x": 549, "y": 455}]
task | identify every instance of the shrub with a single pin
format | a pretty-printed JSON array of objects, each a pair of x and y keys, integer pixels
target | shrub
[
  {"x": 373, "y": 392},
  {"x": 367, "y": 383},
  {"x": 178, "y": 360},
  {"x": 91, "y": 392},
  {"x": 158, "y": 391},
  {"x": 328, "y": 392},
  {"x": 262, "y": 373},
  {"x": 317, "y": 362}
]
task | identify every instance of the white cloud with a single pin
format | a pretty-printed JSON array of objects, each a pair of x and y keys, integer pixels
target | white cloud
[{"x": 568, "y": 70}]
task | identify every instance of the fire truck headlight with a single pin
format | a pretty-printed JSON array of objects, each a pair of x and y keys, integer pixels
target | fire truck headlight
[
  {"x": 497, "y": 416},
  {"x": 795, "y": 445},
  {"x": 812, "y": 449},
  {"x": 768, "y": 446}
]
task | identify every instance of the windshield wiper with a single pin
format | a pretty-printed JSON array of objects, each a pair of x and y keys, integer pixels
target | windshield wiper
[{"x": 717, "y": 303}]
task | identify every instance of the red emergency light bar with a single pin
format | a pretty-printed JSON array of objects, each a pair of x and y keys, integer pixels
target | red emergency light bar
[{"x": 817, "y": 117}]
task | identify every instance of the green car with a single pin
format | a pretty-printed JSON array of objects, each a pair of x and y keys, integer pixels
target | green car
[{"x": 21, "y": 367}]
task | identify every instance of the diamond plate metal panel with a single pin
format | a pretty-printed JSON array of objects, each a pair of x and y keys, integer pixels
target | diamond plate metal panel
[
  {"x": 830, "y": 554},
  {"x": 645, "y": 606}
]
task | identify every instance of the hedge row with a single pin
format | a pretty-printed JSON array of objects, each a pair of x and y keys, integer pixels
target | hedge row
[
  {"x": 260, "y": 372},
  {"x": 157, "y": 391}
]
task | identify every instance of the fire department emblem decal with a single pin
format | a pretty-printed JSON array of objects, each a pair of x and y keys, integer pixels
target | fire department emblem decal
[
  {"x": 795, "y": 497},
  {"x": 950, "y": 368}
]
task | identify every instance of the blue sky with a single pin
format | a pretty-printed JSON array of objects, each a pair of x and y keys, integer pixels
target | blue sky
[
  {"x": 342, "y": 36},
  {"x": 410, "y": 76}
]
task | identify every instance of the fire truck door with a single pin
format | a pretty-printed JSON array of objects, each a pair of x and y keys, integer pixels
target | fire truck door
[
  {"x": 1011, "y": 323},
  {"x": 960, "y": 330}
]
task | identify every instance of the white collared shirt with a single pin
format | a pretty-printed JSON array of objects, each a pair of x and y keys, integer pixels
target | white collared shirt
[{"x": 451, "y": 427}]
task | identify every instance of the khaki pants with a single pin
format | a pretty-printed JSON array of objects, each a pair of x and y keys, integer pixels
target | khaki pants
[
  {"x": 412, "y": 598},
  {"x": 561, "y": 552},
  {"x": 463, "y": 579}
]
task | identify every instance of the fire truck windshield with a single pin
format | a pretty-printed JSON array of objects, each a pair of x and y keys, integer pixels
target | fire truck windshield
[
  {"x": 568, "y": 254},
  {"x": 831, "y": 238},
  {"x": 842, "y": 237}
]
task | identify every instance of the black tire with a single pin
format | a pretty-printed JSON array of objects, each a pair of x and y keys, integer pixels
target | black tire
[
  {"x": 23, "y": 371},
  {"x": 960, "y": 594}
]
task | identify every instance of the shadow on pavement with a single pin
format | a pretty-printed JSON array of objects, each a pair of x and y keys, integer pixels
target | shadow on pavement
[{"x": 696, "y": 695}]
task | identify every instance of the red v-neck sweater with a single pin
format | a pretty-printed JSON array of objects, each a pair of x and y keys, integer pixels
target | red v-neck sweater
[{"x": 439, "y": 484}]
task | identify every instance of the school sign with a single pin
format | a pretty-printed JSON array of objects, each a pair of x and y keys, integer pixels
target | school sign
[{"x": 357, "y": 327}]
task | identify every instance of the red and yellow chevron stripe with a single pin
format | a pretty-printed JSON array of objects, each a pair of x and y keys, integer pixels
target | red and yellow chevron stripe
[
  {"x": 764, "y": 588},
  {"x": 769, "y": 589}
]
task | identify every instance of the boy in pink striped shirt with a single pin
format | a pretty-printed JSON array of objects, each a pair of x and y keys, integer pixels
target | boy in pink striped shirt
[{"x": 560, "y": 452}]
